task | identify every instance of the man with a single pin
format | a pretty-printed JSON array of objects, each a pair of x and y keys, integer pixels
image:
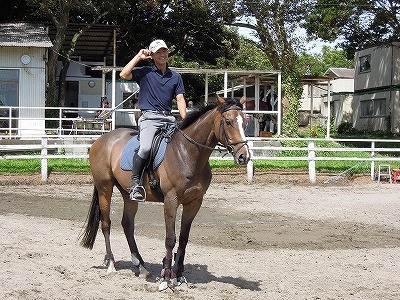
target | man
[{"x": 158, "y": 86}]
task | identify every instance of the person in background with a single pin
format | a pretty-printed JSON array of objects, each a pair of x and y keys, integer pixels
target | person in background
[
  {"x": 159, "y": 85},
  {"x": 103, "y": 104},
  {"x": 106, "y": 104}
]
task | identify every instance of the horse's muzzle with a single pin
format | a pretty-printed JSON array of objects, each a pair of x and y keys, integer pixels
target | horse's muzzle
[
  {"x": 242, "y": 156},
  {"x": 242, "y": 159}
]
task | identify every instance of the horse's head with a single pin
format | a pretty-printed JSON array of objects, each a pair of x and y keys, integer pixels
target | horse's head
[{"x": 230, "y": 129}]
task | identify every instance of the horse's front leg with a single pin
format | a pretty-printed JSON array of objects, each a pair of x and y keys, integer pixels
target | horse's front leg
[
  {"x": 190, "y": 211},
  {"x": 170, "y": 208}
]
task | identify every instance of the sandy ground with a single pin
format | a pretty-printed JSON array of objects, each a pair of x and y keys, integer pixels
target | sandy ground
[{"x": 277, "y": 238}]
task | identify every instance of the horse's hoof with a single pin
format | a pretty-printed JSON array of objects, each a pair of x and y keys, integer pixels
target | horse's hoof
[
  {"x": 163, "y": 286},
  {"x": 111, "y": 268},
  {"x": 142, "y": 272},
  {"x": 180, "y": 280},
  {"x": 109, "y": 263}
]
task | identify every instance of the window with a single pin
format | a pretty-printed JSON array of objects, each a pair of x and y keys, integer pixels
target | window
[
  {"x": 365, "y": 63},
  {"x": 9, "y": 82},
  {"x": 373, "y": 108},
  {"x": 9, "y": 86}
]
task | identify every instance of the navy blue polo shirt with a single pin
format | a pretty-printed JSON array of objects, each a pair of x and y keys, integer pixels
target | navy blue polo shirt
[{"x": 157, "y": 90}]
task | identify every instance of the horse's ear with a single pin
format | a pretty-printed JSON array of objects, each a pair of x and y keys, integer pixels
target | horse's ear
[
  {"x": 220, "y": 99},
  {"x": 243, "y": 100}
]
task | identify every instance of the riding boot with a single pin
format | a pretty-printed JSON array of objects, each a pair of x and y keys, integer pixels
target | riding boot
[{"x": 135, "y": 193}]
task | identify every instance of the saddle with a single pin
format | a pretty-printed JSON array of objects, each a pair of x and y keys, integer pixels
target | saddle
[
  {"x": 156, "y": 157},
  {"x": 157, "y": 152}
]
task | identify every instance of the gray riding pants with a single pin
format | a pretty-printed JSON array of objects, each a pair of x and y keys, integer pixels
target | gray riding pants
[{"x": 148, "y": 123}]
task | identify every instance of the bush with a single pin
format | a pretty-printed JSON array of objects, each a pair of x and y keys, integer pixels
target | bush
[{"x": 346, "y": 128}]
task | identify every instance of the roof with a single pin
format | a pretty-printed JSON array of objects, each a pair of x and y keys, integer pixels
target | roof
[
  {"x": 93, "y": 45},
  {"x": 340, "y": 72},
  {"x": 24, "y": 35}
]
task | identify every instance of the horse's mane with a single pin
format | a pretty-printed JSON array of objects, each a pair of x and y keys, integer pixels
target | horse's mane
[
  {"x": 195, "y": 114},
  {"x": 200, "y": 110}
]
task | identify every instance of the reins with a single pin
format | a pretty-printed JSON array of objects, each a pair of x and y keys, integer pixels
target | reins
[
  {"x": 229, "y": 146},
  {"x": 197, "y": 143}
]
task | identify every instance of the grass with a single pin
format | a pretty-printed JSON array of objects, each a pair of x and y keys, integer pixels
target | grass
[{"x": 31, "y": 166}]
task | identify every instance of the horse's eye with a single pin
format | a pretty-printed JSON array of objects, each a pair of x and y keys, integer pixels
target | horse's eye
[{"x": 228, "y": 122}]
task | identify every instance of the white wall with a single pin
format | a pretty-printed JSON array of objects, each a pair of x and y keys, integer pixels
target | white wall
[
  {"x": 32, "y": 85},
  {"x": 381, "y": 66}
]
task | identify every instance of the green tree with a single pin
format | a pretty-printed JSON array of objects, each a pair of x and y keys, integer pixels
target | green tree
[
  {"x": 276, "y": 23},
  {"x": 317, "y": 64},
  {"x": 357, "y": 23},
  {"x": 249, "y": 57}
]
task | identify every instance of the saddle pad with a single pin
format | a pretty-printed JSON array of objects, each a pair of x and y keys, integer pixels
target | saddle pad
[{"x": 132, "y": 146}]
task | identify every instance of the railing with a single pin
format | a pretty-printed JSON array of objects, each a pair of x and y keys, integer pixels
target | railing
[
  {"x": 21, "y": 122},
  {"x": 261, "y": 149}
]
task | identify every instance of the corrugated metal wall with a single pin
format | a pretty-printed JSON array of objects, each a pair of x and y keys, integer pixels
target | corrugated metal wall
[{"x": 32, "y": 85}]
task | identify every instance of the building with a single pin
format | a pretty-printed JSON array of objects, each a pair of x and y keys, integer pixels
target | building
[
  {"x": 23, "y": 55},
  {"x": 376, "y": 104},
  {"x": 86, "y": 85},
  {"x": 23, "y": 78},
  {"x": 342, "y": 89}
]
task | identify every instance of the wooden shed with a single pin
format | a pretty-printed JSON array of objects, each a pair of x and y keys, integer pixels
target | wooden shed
[{"x": 23, "y": 56}]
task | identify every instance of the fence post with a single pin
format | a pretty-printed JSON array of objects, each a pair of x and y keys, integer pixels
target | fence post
[
  {"x": 250, "y": 166},
  {"x": 10, "y": 122},
  {"x": 311, "y": 162},
  {"x": 43, "y": 165},
  {"x": 372, "y": 161}
]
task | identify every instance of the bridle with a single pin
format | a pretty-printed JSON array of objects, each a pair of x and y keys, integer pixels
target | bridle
[{"x": 228, "y": 145}]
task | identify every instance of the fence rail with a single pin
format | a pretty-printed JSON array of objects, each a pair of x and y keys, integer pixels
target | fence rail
[
  {"x": 49, "y": 147},
  {"x": 19, "y": 122}
]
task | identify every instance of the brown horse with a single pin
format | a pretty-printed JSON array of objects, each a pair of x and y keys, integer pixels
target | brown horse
[{"x": 183, "y": 178}]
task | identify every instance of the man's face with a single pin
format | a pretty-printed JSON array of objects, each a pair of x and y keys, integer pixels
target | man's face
[{"x": 161, "y": 55}]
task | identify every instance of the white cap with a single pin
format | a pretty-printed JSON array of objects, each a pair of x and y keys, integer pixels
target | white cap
[{"x": 157, "y": 44}]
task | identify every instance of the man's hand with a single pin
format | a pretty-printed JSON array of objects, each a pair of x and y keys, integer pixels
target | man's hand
[
  {"x": 144, "y": 54},
  {"x": 126, "y": 72}
]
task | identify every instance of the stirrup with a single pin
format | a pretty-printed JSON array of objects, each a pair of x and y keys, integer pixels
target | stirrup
[{"x": 138, "y": 193}]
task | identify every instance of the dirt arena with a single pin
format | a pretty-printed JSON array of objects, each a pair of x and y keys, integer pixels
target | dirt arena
[{"x": 277, "y": 238}]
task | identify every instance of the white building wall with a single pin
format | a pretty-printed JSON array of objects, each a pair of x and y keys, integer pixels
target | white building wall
[
  {"x": 381, "y": 82},
  {"x": 396, "y": 64},
  {"x": 381, "y": 67},
  {"x": 305, "y": 100},
  {"x": 32, "y": 85},
  {"x": 370, "y": 123},
  {"x": 343, "y": 85}
]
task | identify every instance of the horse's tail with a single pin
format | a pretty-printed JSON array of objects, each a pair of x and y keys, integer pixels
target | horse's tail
[{"x": 92, "y": 222}]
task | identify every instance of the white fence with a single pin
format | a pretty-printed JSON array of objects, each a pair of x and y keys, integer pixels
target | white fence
[
  {"x": 261, "y": 148},
  {"x": 21, "y": 122}
]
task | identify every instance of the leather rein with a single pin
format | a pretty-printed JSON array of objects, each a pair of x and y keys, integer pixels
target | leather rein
[{"x": 229, "y": 146}]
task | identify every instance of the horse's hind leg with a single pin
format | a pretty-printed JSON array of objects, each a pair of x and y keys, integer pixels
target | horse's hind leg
[
  {"x": 105, "y": 193},
  {"x": 128, "y": 224}
]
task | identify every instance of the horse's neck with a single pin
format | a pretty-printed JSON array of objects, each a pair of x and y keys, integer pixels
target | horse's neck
[
  {"x": 203, "y": 136},
  {"x": 203, "y": 130}
]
